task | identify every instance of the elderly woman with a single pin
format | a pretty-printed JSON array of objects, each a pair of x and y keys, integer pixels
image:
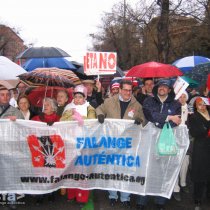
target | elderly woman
[
  {"x": 199, "y": 126},
  {"x": 49, "y": 114},
  {"x": 78, "y": 110}
]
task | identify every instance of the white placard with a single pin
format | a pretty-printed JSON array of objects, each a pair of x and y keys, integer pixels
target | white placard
[
  {"x": 100, "y": 63},
  {"x": 179, "y": 87}
]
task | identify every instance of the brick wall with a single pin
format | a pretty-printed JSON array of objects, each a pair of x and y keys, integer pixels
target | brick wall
[{"x": 10, "y": 43}]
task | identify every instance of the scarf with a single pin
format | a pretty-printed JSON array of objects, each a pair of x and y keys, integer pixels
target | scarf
[
  {"x": 184, "y": 114},
  {"x": 81, "y": 109},
  {"x": 205, "y": 115}
]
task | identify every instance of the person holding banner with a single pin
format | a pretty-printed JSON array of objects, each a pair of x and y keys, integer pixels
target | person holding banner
[
  {"x": 79, "y": 109},
  {"x": 24, "y": 106},
  {"x": 48, "y": 116},
  {"x": 199, "y": 127},
  {"x": 121, "y": 106},
  {"x": 159, "y": 109},
  {"x": 8, "y": 112}
]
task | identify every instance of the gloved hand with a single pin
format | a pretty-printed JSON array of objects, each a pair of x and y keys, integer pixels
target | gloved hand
[
  {"x": 77, "y": 116},
  {"x": 137, "y": 121},
  {"x": 50, "y": 123},
  {"x": 101, "y": 118}
]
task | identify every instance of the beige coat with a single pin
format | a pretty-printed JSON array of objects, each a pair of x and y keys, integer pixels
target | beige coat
[
  {"x": 111, "y": 109},
  {"x": 67, "y": 115}
]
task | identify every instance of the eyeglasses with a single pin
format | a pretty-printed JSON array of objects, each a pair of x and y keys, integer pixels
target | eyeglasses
[{"x": 127, "y": 90}]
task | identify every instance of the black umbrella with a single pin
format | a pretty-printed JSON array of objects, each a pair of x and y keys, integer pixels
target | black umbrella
[
  {"x": 42, "y": 52},
  {"x": 119, "y": 72},
  {"x": 200, "y": 73}
]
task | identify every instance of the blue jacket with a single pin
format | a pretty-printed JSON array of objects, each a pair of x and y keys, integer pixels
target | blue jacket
[{"x": 156, "y": 112}]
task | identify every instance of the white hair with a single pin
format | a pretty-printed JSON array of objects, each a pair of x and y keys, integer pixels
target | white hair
[{"x": 52, "y": 102}]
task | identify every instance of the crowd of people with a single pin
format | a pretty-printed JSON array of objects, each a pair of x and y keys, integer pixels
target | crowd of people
[{"x": 151, "y": 102}]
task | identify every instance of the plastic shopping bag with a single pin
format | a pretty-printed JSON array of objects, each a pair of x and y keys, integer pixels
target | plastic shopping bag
[{"x": 166, "y": 144}]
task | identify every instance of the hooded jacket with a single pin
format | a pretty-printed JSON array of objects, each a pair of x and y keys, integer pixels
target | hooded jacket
[{"x": 156, "y": 112}]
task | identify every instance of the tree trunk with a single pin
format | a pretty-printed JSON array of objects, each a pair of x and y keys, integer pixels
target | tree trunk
[{"x": 162, "y": 32}]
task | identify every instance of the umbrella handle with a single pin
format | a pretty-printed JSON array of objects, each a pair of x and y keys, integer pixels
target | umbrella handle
[{"x": 45, "y": 93}]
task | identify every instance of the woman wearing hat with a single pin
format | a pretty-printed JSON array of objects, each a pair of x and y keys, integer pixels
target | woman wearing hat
[
  {"x": 79, "y": 109},
  {"x": 181, "y": 183},
  {"x": 199, "y": 126},
  {"x": 79, "y": 106}
]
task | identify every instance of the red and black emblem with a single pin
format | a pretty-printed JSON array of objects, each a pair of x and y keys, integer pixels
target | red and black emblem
[{"x": 47, "y": 151}]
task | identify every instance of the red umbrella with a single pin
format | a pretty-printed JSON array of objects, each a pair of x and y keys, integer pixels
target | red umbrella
[
  {"x": 37, "y": 95},
  {"x": 154, "y": 69},
  {"x": 208, "y": 82}
]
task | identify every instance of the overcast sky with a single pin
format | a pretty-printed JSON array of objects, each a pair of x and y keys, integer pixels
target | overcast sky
[{"x": 62, "y": 23}]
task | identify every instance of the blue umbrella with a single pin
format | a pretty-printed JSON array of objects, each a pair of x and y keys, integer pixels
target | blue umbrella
[
  {"x": 61, "y": 63},
  {"x": 188, "y": 63}
]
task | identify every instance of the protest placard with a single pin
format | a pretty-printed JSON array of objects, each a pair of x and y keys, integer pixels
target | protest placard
[{"x": 100, "y": 63}]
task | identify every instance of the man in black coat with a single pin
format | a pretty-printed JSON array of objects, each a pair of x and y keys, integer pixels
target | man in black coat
[{"x": 158, "y": 109}]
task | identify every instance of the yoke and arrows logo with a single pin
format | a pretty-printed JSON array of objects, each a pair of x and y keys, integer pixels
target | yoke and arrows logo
[{"x": 47, "y": 151}]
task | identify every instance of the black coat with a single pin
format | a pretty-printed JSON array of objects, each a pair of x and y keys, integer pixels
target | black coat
[
  {"x": 156, "y": 112},
  {"x": 199, "y": 128},
  {"x": 95, "y": 99}
]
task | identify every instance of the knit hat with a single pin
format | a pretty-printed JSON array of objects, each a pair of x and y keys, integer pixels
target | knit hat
[
  {"x": 81, "y": 89},
  {"x": 115, "y": 85},
  {"x": 187, "y": 96}
]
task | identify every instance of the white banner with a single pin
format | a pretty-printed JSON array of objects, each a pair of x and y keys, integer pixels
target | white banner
[{"x": 116, "y": 155}]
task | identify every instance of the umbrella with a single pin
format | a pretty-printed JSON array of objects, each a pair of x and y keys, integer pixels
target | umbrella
[
  {"x": 192, "y": 83},
  {"x": 200, "y": 72},
  {"x": 154, "y": 70},
  {"x": 9, "y": 70},
  {"x": 187, "y": 63},
  {"x": 119, "y": 72},
  {"x": 61, "y": 63},
  {"x": 50, "y": 77},
  {"x": 37, "y": 95},
  {"x": 9, "y": 84},
  {"x": 105, "y": 79},
  {"x": 42, "y": 52}
]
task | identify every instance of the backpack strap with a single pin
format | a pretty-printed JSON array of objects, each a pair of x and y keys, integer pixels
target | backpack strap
[{"x": 4, "y": 110}]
